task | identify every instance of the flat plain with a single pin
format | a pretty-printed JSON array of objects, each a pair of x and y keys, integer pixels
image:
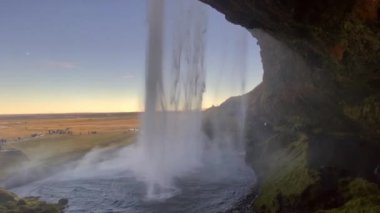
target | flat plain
[
  {"x": 56, "y": 139},
  {"x": 18, "y": 127}
]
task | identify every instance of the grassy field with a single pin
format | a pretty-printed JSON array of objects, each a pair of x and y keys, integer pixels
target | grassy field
[
  {"x": 53, "y": 147},
  {"x": 24, "y": 126},
  {"x": 87, "y": 132}
]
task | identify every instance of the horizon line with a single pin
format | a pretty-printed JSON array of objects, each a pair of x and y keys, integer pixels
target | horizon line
[
  {"x": 77, "y": 113},
  {"x": 67, "y": 113}
]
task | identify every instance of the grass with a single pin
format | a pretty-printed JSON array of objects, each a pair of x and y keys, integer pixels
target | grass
[
  {"x": 57, "y": 149},
  {"x": 290, "y": 185},
  {"x": 50, "y": 150},
  {"x": 361, "y": 197},
  {"x": 30, "y": 205},
  {"x": 10, "y": 203},
  {"x": 57, "y": 146},
  {"x": 288, "y": 177},
  {"x": 15, "y": 127}
]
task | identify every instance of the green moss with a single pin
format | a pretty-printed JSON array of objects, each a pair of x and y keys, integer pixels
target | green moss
[
  {"x": 360, "y": 37},
  {"x": 360, "y": 196},
  {"x": 359, "y": 205},
  {"x": 288, "y": 184},
  {"x": 360, "y": 188},
  {"x": 288, "y": 177},
  {"x": 9, "y": 202},
  {"x": 367, "y": 113}
]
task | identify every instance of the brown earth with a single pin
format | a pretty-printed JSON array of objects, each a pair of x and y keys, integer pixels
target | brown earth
[{"x": 24, "y": 126}]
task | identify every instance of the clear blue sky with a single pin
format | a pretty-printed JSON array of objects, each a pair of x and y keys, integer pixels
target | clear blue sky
[{"x": 88, "y": 56}]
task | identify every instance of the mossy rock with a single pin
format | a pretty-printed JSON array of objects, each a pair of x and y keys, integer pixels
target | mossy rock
[
  {"x": 360, "y": 196},
  {"x": 291, "y": 184},
  {"x": 287, "y": 179},
  {"x": 10, "y": 203}
]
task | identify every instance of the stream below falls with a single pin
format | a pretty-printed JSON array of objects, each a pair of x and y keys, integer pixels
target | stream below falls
[
  {"x": 204, "y": 190},
  {"x": 198, "y": 192}
]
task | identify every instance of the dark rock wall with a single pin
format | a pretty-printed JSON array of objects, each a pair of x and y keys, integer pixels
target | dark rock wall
[
  {"x": 314, "y": 122},
  {"x": 291, "y": 89},
  {"x": 335, "y": 45}
]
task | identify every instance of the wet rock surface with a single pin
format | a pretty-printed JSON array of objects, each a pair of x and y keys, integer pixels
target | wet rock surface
[{"x": 313, "y": 126}]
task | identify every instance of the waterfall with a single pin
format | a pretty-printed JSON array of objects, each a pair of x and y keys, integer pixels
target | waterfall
[
  {"x": 171, "y": 137},
  {"x": 172, "y": 142}
]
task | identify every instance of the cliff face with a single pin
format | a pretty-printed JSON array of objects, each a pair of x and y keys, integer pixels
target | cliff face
[
  {"x": 313, "y": 131},
  {"x": 337, "y": 41}
]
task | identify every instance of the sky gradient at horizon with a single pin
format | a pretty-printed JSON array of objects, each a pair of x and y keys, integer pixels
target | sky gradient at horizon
[{"x": 89, "y": 56}]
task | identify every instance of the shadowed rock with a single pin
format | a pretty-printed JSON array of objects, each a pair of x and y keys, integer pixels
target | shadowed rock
[{"x": 318, "y": 107}]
